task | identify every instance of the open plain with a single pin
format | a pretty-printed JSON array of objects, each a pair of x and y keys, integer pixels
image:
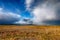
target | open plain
[{"x": 29, "y": 32}]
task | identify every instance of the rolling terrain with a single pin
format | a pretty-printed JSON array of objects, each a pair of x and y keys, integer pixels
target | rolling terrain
[{"x": 29, "y": 32}]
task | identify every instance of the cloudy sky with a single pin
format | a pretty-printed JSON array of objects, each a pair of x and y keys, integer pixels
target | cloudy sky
[{"x": 38, "y": 12}]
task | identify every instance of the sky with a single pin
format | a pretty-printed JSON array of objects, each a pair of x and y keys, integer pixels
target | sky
[{"x": 36, "y": 12}]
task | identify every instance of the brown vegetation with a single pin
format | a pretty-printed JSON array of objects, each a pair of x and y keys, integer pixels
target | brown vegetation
[{"x": 13, "y": 32}]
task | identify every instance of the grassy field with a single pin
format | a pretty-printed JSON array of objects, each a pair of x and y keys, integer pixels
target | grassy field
[{"x": 29, "y": 32}]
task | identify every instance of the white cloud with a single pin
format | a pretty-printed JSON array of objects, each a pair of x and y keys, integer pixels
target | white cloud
[
  {"x": 43, "y": 12},
  {"x": 28, "y": 4},
  {"x": 8, "y": 16},
  {"x": 21, "y": 22},
  {"x": 11, "y": 17},
  {"x": 24, "y": 21}
]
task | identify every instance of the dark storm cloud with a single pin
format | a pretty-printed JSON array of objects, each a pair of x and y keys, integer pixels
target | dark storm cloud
[{"x": 52, "y": 22}]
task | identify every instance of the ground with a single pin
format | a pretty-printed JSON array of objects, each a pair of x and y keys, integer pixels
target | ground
[{"x": 29, "y": 32}]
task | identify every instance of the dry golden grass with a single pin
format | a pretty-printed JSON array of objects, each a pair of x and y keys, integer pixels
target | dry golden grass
[{"x": 29, "y": 32}]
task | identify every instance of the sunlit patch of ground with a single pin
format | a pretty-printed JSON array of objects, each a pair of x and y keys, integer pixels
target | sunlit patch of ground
[{"x": 29, "y": 32}]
